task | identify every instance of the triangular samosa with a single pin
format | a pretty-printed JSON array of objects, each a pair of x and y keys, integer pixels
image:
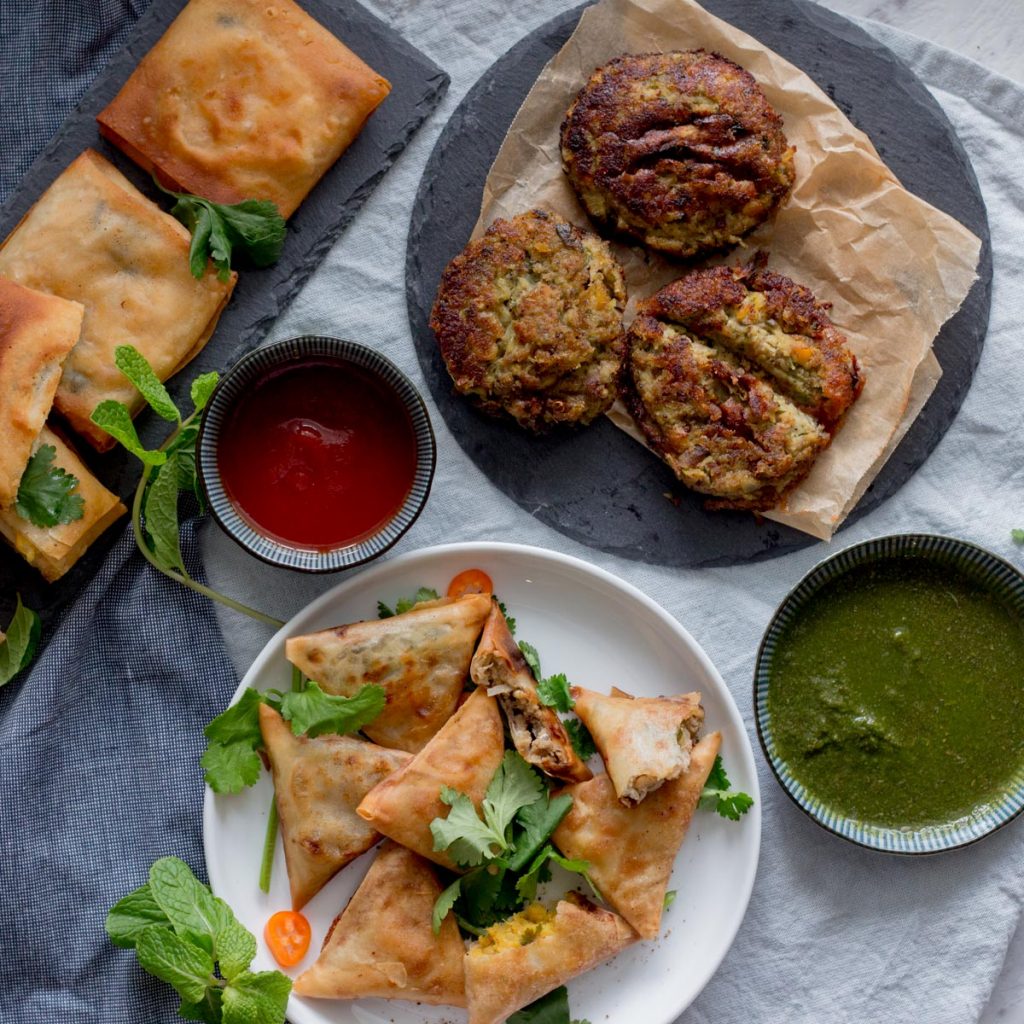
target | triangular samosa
[
  {"x": 421, "y": 659},
  {"x": 631, "y": 851},
  {"x": 537, "y": 731},
  {"x": 318, "y": 782},
  {"x": 465, "y": 754},
  {"x": 644, "y": 741},
  {"x": 525, "y": 957},
  {"x": 382, "y": 945}
]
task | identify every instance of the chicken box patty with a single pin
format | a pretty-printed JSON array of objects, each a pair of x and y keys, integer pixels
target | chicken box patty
[
  {"x": 738, "y": 379},
  {"x": 529, "y": 321},
  {"x": 680, "y": 150}
]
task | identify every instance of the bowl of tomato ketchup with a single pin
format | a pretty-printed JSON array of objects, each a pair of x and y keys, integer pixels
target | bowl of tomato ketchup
[{"x": 316, "y": 453}]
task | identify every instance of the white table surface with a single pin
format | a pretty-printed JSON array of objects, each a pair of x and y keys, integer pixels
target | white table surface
[{"x": 992, "y": 33}]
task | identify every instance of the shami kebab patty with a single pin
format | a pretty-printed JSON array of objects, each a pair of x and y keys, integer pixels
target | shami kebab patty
[
  {"x": 738, "y": 379},
  {"x": 680, "y": 150},
  {"x": 529, "y": 321}
]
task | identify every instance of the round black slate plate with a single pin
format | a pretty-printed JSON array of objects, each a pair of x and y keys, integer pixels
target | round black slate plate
[{"x": 597, "y": 485}]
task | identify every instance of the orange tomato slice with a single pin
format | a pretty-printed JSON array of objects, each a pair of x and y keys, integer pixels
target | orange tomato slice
[
  {"x": 287, "y": 936},
  {"x": 470, "y": 581}
]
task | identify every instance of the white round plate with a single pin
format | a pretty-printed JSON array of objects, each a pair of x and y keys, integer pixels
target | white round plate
[{"x": 601, "y": 632}]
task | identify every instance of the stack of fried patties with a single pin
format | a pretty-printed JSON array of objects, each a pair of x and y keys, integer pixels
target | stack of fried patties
[{"x": 736, "y": 376}]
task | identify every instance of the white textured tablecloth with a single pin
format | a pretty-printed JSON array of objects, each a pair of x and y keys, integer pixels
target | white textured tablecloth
[{"x": 833, "y": 933}]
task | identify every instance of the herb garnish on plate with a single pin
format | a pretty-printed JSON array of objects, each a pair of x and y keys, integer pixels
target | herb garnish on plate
[{"x": 46, "y": 494}]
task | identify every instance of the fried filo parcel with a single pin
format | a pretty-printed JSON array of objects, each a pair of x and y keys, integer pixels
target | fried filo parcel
[
  {"x": 643, "y": 741},
  {"x": 527, "y": 955},
  {"x": 420, "y": 658},
  {"x": 53, "y": 550},
  {"x": 631, "y": 851},
  {"x": 318, "y": 783},
  {"x": 37, "y": 331},
  {"x": 243, "y": 100},
  {"x": 464, "y": 755},
  {"x": 93, "y": 238},
  {"x": 537, "y": 731},
  {"x": 382, "y": 944}
]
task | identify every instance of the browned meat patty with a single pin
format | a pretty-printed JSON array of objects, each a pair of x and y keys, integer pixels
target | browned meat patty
[
  {"x": 529, "y": 321},
  {"x": 680, "y": 150},
  {"x": 738, "y": 379}
]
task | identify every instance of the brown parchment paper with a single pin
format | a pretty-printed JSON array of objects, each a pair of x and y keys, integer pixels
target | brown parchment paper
[{"x": 894, "y": 267}]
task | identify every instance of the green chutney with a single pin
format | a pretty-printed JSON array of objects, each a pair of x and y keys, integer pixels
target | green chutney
[{"x": 897, "y": 695}]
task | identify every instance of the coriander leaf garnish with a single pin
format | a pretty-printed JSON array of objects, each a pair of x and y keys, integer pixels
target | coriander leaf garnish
[
  {"x": 19, "y": 644},
  {"x": 313, "y": 712},
  {"x": 515, "y": 785},
  {"x": 532, "y": 657},
  {"x": 46, "y": 493},
  {"x": 670, "y": 898},
  {"x": 538, "y": 821},
  {"x": 509, "y": 621},
  {"x": 527, "y": 884},
  {"x": 133, "y": 364},
  {"x": 188, "y": 937},
  {"x": 230, "y": 762},
  {"x": 467, "y": 839},
  {"x": 444, "y": 904},
  {"x": 554, "y": 691},
  {"x": 253, "y": 226},
  {"x": 550, "y": 1009},
  {"x": 719, "y": 796},
  {"x": 406, "y": 604},
  {"x": 579, "y": 736},
  {"x": 1018, "y": 536}
]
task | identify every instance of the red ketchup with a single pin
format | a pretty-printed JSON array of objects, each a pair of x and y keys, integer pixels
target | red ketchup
[{"x": 318, "y": 455}]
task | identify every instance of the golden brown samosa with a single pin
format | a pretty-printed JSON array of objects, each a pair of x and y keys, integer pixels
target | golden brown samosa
[
  {"x": 631, "y": 851},
  {"x": 537, "y": 731},
  {"x": 318, "y": 783},
  {"x": 420, "y": 658},
  {"x": 525, "y": 957},
  {"x": 465, "y": 754},
  {"x": 382, "y": 944},
  {"x": 644, "y": 741}
]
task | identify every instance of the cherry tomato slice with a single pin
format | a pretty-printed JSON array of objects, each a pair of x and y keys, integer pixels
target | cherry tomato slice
[
  {"x": 287, "y": 935},
  {"x": 470, "y": 581}
]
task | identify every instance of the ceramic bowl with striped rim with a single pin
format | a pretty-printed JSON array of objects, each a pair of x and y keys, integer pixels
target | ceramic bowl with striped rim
[
  {"x": 980, "y": 566},
  {"x": 255, "y": 366}
]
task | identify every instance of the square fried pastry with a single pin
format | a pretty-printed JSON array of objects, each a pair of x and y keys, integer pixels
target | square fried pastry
[
  {"x": 93, "y": 238},
  {"x": 55, "y": 549},
  {"x": 243, "y": 99},
  {"x": 37, "y": 331}
]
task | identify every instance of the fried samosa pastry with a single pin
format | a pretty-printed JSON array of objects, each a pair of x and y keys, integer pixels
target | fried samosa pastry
[
  {"x": 465, "y": 754},
  {"x": 318, "y": 783},
  {"x": 93, "y": 238},
  {"x": 382, "y": 945},
  {"x": 631, "y": 851},
  {"x": 243, "y": 100},
  {"x": 420, "y": 658},
  {"x": 535, "y": 951},
  {"x": 537, "y": 731},
  {"x": 53, "y": 550},
  {"x": 37, "y": 332},
  {"x": 644, "y": 741}
]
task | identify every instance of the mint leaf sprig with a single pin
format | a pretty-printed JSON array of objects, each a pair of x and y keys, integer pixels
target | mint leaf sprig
[
  {"x": 18, "y": 646},
  {"x": 718, "y": 795},
  {"x": 46, "y": 493},
  {"x": 191, "y": 939},
  {"x": 167, "y": 471}
]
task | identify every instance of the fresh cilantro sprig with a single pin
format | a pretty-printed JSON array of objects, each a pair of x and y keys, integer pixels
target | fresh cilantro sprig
[
  {"x": 406, "y": 604},
  {"x": 550, "y": 1009},
  {"x": 167, "y": 471},
  {"x": 46, "y": 494},
  {"x": 670, "y": 898},
  {"x": 1017, "y": 536},
  {"x": 189, "y": 938},
  {"x": 554, "y": 691},
  {"x": 18, "y": 645},
  {"x": 580, "y": 738},
  {"x": 719, "y": 796},
  {"x": 532, "y": 657},
  {"x": 253, "y": 226},
  {"x": 509, "y": 621}
]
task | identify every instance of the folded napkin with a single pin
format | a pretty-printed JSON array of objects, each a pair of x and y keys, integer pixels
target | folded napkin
[{"x": 99, "y": 744}]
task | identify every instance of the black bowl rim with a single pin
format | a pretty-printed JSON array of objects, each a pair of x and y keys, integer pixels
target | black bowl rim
[
  {"x": 901, "y": 539},
  {"x": 310, "y": 560}
]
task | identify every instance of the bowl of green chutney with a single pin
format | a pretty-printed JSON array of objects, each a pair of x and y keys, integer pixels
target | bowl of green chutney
[{"x": 889, "y": 693}]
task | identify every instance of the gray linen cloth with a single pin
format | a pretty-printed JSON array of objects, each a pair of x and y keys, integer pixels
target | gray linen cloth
[{"x": 98, "y": 746}]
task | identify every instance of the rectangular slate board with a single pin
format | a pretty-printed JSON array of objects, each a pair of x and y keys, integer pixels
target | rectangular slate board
[{"x": 260, "y": 296}]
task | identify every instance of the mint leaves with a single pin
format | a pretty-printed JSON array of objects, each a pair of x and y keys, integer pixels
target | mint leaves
[
  {"x": 46, "y": 492},
  {"x": 406, "y": 604},
  {"x": 231, "y": 760},
  {"x": 189, "y": 938},
  {"x": 18, "y": 646},
  {"x": 719, "y": 796}
]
